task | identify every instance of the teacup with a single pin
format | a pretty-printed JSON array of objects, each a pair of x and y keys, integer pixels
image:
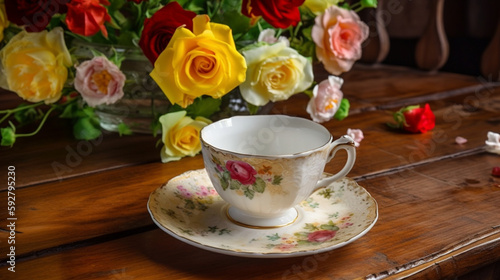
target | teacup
[{"x": 265, "y": 165}]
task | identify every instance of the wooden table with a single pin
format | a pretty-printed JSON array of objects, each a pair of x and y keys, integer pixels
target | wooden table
[{"x": 81, "y": 205}]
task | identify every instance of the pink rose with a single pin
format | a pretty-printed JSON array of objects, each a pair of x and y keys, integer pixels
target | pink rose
[
  {"x": 326, "y": 99},
  {"x": 321, "y": 235},
  {"x": 338, "y": 34},
  {"x": 356, "y": 134},
  {"x": 241, "y": 171},
  {"x": 99, "y": 81}
]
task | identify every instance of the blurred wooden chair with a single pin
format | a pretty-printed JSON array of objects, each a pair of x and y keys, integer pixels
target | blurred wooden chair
[{"x": 436, "y": 35}]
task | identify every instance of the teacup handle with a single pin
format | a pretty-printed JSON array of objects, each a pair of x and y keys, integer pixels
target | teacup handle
[{"x": 347, "y": 143}]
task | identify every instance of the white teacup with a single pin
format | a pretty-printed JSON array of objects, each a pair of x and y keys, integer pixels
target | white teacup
[{"x": 265, "y": 165}]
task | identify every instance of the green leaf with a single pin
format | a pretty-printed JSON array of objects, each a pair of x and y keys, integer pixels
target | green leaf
[
  {"x": 197, "y": 6},
  {"x": 329, "y": 226},
  {"x": 273, "y": 237},
  {"x": 234, "y": 185},
  {"x": 343, "y": 110},
  {"x": 224, "y": 184},
  {"x": 119, "y": 18},
  {"x": 252, "y": 109},
  {"x": 326, "y": 193},
  {"x": 70, "y": 111},
  {"x": 249, "y": 193},
  {"x": 155, "y": 127},
  {"x": 8, "y": 136},
  {"x": 259, "y": 185},
  {"x": 203, "y": 107},
  {"x": 369, "y": 3},
  {"x": 116, "y": 57},
  {"x": 86, "y": 129},
  {"x": 238, "y": 22},
  {"x": 189, "y": 204},
  {"x": 224, "y": 181},
  {"x": 124, "y": 129},
  {"x": 310, "y": 227},
  {"x": 28, "y": 116},
  {"x": 277, "y": 180}
]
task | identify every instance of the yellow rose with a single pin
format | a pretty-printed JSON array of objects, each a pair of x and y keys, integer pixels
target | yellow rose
[
  {"x": 181, "y": 135},
  {"x": 202, "y": 62},
  {"x": 34, "y": 65},
  {"x": 319, "y": 6},
  {"x": 275, "y": 72},
  {"x": 3, "y": 20}
]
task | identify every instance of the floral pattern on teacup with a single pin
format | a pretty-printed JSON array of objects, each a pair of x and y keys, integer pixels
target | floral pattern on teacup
[
  {"x": 312, "y": 234},
  {"x": 195, "y": 199},
  {"x": 244, "y": 178}
]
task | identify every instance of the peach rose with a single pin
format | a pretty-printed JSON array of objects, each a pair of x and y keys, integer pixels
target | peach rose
[
  {"x": 338, "y": 34},
  {"x": 326, "y": 99},
  {"x": 99, "y": 81}
]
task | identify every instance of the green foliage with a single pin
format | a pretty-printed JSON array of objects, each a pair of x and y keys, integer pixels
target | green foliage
[
  {"x": 277, "y": 179},
  {"x": 248, "y": 192},
  {"x": 310, "y": 227},
  {"x": 273, "y": 237},
  {"x": 204, "y": 106},
  {"x": 28, "y": 116},
  {"x": 124, "y": 129},
  {"x": 8, "y": 135},
  {"x": 326, "y": 193},
  {"x": 259, "y": 185},
  {"x": 86, "y": 128},
  {"x": 329, "y": 226},
  {"x": 343, "y": 110}
]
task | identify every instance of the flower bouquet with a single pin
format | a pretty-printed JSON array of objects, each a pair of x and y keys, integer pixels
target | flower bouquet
[{"x": 198, "y": 52}]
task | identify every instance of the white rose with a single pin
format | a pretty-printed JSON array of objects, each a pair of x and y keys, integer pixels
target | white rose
[{"x": 274, "y": 73}]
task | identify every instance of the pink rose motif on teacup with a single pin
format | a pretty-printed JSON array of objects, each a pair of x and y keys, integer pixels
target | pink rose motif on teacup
[
  {"x": 241, "y": 171},
  {"x": 338, "y": 34},
  {"x": 326, "y": 99},
  {"x": 99, "y": 81},
  {"x": 243, "y": 178}
]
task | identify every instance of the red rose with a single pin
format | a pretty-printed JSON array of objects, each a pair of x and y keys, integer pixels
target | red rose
[
  {"x": 158, "y": 29},
  {"x": 415, "y": 119},
  {"x": 241, "y": 171},
  {"x": 87, "y": 17},
  {"x": 321, "y": 235},
  {"x": 34, "y": 15},
  {"x": 278, "y": 13}
]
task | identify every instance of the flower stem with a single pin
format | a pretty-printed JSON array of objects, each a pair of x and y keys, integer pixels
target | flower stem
[
  {"x": 41, "y": 124},
  {"x": 9, "y": 112},
  {"x": 356, "y": 7},
  {"x": 5, "y": 117}
]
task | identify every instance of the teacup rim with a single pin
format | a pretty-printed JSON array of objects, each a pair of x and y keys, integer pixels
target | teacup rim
[{"x": 239, "y": 154}]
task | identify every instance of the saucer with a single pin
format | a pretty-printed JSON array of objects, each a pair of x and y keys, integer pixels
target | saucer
[{"x": 188, "y": 208}]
